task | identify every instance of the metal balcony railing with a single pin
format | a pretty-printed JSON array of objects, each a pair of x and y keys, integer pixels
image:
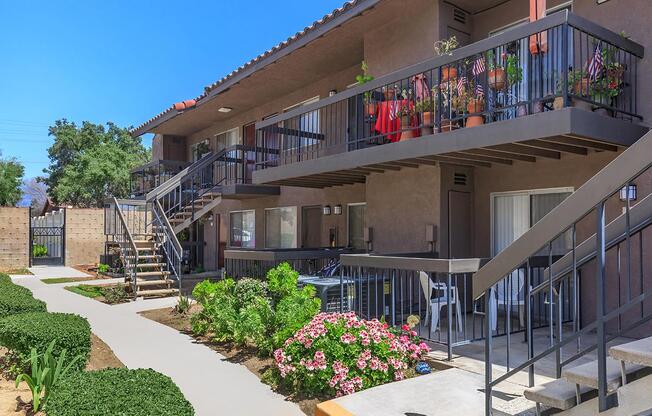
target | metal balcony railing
[{"x": 559, "y": 61}]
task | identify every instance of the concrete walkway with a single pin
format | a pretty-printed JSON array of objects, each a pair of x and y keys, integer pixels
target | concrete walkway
[{"x": 212, "y": 385}]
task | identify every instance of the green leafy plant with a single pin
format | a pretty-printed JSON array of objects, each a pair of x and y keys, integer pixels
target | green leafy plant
[
  {"x": 183, "y": 305},
  {"x": 513, "y": 70},
  {"x": 103, "y": 268},
  {"x": 363, "y": 78},
  {"x": 427, "y": 105},
  {"x": 39, "y": 250},
  {"x": 446, "y": 46},
  {"x": 115, "y": 294},
  {"x": 89, "y": 291},
  {"x": 118, "y": 391},
  {"x": 46, "y": 370},
  {"x": 20, "y": 333},
  {"x": 16, "y": 299}
]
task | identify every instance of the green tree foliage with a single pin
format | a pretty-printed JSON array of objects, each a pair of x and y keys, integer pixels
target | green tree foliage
[
  {"x": 90, "y": 162},
  {"x": 11, "y": 180}
]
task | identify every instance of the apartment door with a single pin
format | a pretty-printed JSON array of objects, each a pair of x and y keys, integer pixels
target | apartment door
[
  {"x": 459, "y": 224},
  {"x": 311, "y": 227},
  {"x": 356, "y": 224}
]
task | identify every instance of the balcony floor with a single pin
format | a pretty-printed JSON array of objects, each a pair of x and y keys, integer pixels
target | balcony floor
[{"x": 525, "y": 139}]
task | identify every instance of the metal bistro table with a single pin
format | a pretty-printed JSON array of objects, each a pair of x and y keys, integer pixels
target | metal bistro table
[{"x": 328, "y": 290}]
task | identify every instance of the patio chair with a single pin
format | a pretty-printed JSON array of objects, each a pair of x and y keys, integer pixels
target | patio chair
[
  {"x": 439, "y": 301},
  {"x": 509, "y": 293}
]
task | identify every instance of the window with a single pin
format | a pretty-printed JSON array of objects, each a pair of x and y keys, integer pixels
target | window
[
  {"x": 356, "y": 214},
  {"x": 513, "y": 213},
  {"x": 281, "y": 227},
  {"x": 243, "y": 229},
  {"x": 199, "y": 150},
  {"x": 228, "y": 138}
]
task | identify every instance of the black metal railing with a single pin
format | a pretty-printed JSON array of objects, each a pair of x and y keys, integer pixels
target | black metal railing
[
  {"x": 128, "y": 251},
  {"x": 255, "y": 263},
  {"x": 595, "y": 244},
  {"x": 559, "y": 61},
  {"x": 166, "y": 240},
  {"x": 147, "y": 177}
]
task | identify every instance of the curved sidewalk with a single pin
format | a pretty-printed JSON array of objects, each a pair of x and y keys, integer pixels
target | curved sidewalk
[{"x": 214, "y": 386}]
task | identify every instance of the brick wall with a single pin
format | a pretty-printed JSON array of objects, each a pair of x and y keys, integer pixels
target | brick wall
[
  {"x": 84, "y": 235},
  {"x": 14, "y": 238}
]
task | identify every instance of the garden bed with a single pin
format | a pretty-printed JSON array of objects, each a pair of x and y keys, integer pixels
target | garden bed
[
  {"x": 99, "y": 293},
  {"x": 244, "y": 356},
  {"x": 15, "y": 402}
]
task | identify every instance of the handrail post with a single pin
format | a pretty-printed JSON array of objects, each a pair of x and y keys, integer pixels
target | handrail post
[
  {"x": 603, "y": 400},
  {"x": 488, "y": 345},
  {"x": 528, "y": 322},
  {"x": 564, "y": 62},
  {"x": 449, "y": 327}
]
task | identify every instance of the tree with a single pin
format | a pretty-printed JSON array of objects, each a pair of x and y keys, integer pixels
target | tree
[
  {"x": 11, "y": 178},
  {"x": 91, "y": 162},
  {"x": 35, "y": 193}
]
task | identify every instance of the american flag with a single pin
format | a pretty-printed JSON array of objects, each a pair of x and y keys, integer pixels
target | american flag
[
  {"x": 393, "y": 110},
  {"x": 461, "y": 82},
  {"x": 478, "y": 66},
  {"x": 594, "y": 68},
  {"x": 479, "y": 91}
]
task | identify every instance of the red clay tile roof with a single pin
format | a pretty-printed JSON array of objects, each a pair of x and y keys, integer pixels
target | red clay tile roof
[{"x": 182, "y": 106}]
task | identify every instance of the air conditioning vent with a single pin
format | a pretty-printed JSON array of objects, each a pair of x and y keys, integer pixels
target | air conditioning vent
[
  {"x": 459, "y": 179},
  {"x": 459, "y": 16}
]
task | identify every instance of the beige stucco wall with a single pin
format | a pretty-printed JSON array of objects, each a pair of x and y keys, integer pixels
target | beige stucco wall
[
  {"x": 14, "y": 238},
  {"x": 84, "y": 235}
]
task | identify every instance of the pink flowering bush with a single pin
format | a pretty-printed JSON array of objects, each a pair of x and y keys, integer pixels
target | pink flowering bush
[{"x": 339, "y": 354}]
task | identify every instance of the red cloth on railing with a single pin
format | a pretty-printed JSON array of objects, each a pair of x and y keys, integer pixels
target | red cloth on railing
[{"x": 388, "y": 122}]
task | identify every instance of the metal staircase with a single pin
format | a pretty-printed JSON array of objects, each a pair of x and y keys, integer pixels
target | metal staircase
[
  {"x": 608, "y": 268},
  {"x": 146, "y": 230}
]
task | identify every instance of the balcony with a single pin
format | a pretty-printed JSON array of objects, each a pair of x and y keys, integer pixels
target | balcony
[
  {"x": 560, "y": 85},
  {"x": 146, "y": 177}
]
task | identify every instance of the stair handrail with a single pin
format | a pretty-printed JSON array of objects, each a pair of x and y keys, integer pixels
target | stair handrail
[
  {"x": 612, "y": 177},
  {"x": 169, "y": 243},
  {"x": 130, "y": 269},
  {"x": 176, "y": 179}
]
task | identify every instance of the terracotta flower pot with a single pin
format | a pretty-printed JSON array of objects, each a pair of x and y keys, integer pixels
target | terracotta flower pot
[
  {"x": 405, "y": 124},
  {"x": 474, "y": 106},
  {"x": 558, "y": 104},
  {"x": 521, "y": 110},
  {"x": 370, "y": 108},
  {"x": 448, "y": 73},
  {"x": 428, "y": 120},
  {"x": 497, "y": 79},
  {"x": 474, "y": 121}
]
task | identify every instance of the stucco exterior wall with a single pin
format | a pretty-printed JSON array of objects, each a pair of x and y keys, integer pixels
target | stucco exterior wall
[
  {"x": 14, "y": 238},
  {"x": 84, "y": 235}
]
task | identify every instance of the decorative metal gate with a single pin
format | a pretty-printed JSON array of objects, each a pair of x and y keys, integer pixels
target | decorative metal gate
[{"x": 48, "y": 239}]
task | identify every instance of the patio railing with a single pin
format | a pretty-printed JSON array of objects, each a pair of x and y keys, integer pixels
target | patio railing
[
  {"x": 559, "y": 61},
  {"x": 255, "y": 263}
]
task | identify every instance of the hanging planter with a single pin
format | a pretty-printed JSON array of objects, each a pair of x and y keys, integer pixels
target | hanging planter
[
  {"x": 473, "y": 121},
  {"x": 448, "y": 73},
  {"x": 475, "y": 105},
  {"x": 497, "y": 78}
]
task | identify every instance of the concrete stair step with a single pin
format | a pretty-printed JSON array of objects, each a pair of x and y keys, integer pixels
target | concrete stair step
[
  {"x": 150, "y": 265},
  {"x": 636, "y": 352},
  {"x": 157, "y": 292},
  {"x": 152, "y": 274},
  {"x": 559, "y": 394},
  {"x": 141, "y": 283},
  {"x": 587, "y": 374},
  {"x": 147, "y": 257}
]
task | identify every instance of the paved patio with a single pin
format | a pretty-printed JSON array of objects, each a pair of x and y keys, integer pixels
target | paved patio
[{"x": 214, "y": 386}]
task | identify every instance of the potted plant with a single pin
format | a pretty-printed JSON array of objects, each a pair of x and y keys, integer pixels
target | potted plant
[
  {"x": 445, "y": 47},
  {"x": 496, "y": 75},
  {"x": 426, "y": 108},
  {"x": 405, "y": 113},
  {"x": 362, "y": 79},
  {"x": 513, "y": 70},
  {"x": 578, "y": 85}
]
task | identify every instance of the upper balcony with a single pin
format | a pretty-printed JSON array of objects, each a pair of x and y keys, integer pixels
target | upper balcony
[
  {"x": 146, "y": 177},
  {"x": 559, "y": 85}
]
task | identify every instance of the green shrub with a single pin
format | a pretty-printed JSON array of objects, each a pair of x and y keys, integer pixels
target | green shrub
[
  {"x": 115, "y": 294},
  {"x": 118, "y": 391},
  {"x": 293, "y": 312},
  {"x": 102, "y": 268},
  {"x": 20, "y": 333},
  {"x": 39, "y": 250},
  {"x": 16, "y": 299}
]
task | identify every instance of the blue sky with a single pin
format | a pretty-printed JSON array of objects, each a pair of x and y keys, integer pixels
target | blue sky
[{"x": 124, "y": 61}]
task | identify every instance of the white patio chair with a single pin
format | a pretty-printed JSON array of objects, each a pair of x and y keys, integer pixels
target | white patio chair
[
  {"x": 439, "y": 301},
  {"x": 509, "y": 293}
]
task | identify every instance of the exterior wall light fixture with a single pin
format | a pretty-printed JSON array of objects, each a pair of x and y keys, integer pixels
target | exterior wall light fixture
[
  {"x": 326, "y": 210},
  {"x": 337, "y": 209},
  {"x": 628, "y": 192}
]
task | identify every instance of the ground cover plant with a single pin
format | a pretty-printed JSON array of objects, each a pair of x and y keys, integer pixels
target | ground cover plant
[
  {"x": 20, "y": 333},
  {"x": 118, "y": 392},
  {"x": 108, "y": 294},
  {"x": 16, "y": 299},
  {"x": 57, "y": 280},
  {"x": 252, "y": 312},
  {"x": 90, "y": 291},
  {"x": 339, "y": 354}
]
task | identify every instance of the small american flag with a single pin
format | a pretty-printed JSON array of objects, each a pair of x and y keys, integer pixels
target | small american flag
[
  {"x": 479, "y": 91},
  {"x": 478, "y": 66},
  {"x": 461, "y": 82},
  {"x": 594, "y": 68},
  {"x": 393, "y": 110}
]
